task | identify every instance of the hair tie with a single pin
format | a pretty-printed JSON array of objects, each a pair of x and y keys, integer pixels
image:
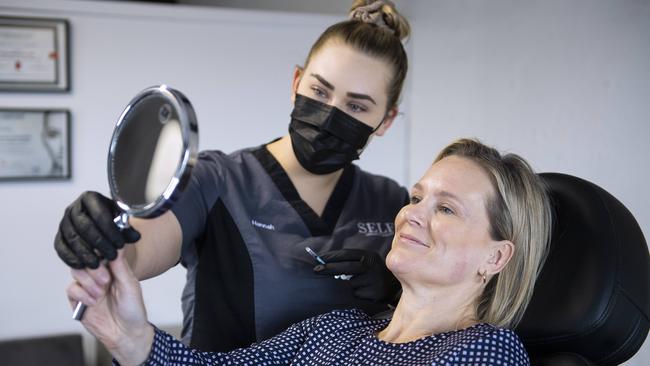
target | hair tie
[{"x": 370, "y": 14}]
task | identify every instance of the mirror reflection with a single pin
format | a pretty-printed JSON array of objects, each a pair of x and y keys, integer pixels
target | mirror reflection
[{"x": 147, "y": 152}]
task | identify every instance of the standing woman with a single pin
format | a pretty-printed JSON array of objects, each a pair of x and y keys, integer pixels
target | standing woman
[{"x": 244, "y": 221}]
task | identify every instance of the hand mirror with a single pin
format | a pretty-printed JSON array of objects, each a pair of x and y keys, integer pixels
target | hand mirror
[{"x": 151, "y": 155}]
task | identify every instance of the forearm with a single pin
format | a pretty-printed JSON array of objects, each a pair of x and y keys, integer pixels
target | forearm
[
  {"x": 279, "y": 350},
  {"x": 159, "y": 249}
]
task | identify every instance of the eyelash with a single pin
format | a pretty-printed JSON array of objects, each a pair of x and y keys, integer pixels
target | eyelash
[
  {"x": 414, "y": 200},
  {"x": 319, "y": 92},
  {"x": 353, "y": 107},
  {"x": 357, "y": 108},
  {"x": 446, "y": 210}
]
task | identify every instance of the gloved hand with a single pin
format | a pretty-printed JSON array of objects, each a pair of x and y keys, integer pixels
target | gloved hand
[
  {"x": 371, "y": 281},
  {"x": 87, "y": 232}
]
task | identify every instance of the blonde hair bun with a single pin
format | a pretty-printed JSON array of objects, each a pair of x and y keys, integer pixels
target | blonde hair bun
[{"x": 383, "y": 13}]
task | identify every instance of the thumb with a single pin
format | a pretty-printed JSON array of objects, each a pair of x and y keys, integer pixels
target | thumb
[
  {"x": 130, "y": 235},
  {"x": 121, "y": 270},
  {"x": 343, "y": 255},
  {"x": 349, "y": 268}
]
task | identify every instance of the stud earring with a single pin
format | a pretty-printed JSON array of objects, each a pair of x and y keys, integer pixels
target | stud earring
[{"x": 484, "y": 276}]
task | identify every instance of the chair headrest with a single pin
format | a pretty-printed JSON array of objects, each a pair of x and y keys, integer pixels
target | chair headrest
[{"x": 592, "y": 297}]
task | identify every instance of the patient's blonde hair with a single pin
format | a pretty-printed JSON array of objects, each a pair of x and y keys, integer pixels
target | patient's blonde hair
[{"x": 520, "y": 212}]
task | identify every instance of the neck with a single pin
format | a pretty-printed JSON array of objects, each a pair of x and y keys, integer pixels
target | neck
[
  {"x": 314, "y": 189},
  {"x": 423, "y": 312},
  {"x": 282, "y": 151}
]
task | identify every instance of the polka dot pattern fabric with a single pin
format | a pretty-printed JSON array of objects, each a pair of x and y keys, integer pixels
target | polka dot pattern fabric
[{"x": 348, "y": 337}]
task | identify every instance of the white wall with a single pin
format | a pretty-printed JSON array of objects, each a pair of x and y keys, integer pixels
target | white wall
[
  {"x": 234, "y": 66},
  {"x": 336, "y": 7},
  {"x": 564, "y": 83}
]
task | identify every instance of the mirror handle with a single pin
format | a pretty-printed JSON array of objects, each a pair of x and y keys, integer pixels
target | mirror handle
[
  {"x": 79, "y": 311},
  {"x": 122, "y": 221}
]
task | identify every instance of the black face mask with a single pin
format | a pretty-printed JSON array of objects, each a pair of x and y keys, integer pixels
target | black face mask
[{"x": 324, "y": 138}]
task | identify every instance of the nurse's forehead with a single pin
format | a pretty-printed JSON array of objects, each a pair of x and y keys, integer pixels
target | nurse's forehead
[{"x": 344, "y": 65}]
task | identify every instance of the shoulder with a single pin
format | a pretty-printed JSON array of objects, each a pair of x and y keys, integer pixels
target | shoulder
[
  {"x": 212, "y": 173},
  {"x": 218, "y": 156},
  {"x": 378, "y": 180},
  {"x": 505, "y": 338},
  {"x": 209, "y": 161},
  {"x": 218, "y": 162},
  {"x": 496, "y": 344},
  {"x": 378, "y": 184}
]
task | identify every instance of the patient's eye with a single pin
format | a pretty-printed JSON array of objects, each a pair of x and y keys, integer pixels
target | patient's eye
[
  {"x": 415, "y": 199},
  {"x": 445, "y": 210}
]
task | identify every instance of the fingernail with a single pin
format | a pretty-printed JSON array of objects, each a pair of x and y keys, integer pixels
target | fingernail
[{"x": 319, "y": 268}]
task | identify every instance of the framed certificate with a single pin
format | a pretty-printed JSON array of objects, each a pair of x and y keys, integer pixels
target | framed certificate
[
  {"x": 33, "y": 54},
  {"x": 34, "y": 144}
]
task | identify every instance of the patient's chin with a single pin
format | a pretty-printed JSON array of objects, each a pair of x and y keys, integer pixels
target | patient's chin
[{"x": 397, "y": 262}]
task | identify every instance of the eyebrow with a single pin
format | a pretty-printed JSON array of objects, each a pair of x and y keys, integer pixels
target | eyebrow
[
  {"x": 361, "y": 96},
  {"x": 419, "y": 187},
  {"x": 450, "y": 195},
  {"x": 329, "y": 85}
]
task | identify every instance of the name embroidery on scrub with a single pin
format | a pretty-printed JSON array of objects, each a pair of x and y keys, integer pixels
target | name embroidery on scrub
[
  {"x": 263, "y": 226},
  {"x": 376, "y": 228}
]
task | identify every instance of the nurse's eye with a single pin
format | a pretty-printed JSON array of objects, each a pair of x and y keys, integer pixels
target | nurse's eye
[
  {"x": 356, "y": 108},
  {"x": 415, "y": 200},
  {"x": 319, "y": 92}
]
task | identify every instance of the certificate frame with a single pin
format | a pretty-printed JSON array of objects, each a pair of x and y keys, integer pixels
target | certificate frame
[
  {"x": 35, "y": 144},
  {"x": 34, "y": 54}
]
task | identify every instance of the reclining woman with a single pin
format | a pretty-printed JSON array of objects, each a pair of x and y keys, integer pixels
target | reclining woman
[{"x": 467, "y": 251}]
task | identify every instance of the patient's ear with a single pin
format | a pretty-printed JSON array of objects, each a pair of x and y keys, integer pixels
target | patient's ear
[{"x": 500, "y": 254}]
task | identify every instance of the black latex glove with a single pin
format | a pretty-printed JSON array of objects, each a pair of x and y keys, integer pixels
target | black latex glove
[
  {"x": 371, "y": 281},
  {"x": 87, "y": 232}
]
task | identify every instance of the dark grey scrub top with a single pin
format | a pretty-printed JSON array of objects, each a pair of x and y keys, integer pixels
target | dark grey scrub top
[{"x": 245, "y": 230}]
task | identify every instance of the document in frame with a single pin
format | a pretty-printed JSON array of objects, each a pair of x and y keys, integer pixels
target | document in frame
[
  {"x": 33, "y": 54},
  {"x": 34, "y": 144}
]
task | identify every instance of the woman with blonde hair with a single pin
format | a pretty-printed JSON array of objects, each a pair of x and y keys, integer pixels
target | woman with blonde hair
[
  {"x": 242, "y": 225},
  {"x": 467, "y": 250}
]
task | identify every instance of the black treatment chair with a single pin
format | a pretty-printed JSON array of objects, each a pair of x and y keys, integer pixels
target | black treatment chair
[{"x": 591, "y": 303}]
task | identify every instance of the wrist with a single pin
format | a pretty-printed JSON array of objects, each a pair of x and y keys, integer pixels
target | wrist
[{"x": 134, "y": 348}]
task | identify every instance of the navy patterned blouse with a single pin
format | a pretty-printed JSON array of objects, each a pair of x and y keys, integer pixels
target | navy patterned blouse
[{"x": 349, "y": 337}]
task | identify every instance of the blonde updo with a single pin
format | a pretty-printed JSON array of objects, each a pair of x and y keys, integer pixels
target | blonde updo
[
  {"x": 377, "y": 29},
  {"x": 384, "y": 14}
]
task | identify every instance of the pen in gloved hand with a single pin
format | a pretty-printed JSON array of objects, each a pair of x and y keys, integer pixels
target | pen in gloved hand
[{"x": 320, "y": 260}]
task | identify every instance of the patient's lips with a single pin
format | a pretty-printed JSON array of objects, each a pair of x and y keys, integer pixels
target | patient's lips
[{"x": 410, "y": 239}]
